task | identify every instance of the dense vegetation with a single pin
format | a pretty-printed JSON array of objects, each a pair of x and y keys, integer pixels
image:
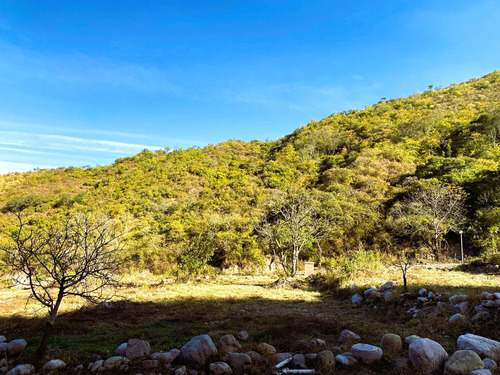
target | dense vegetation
[{"x": 192, "y": 209}]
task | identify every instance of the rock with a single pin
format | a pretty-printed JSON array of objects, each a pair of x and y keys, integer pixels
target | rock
[
  {"x": 368, "y": 291},
  {"x": 366, "y": 353},
  {"x": 229, "y": 344},
  {"x": 411, "y": 338},
  {"x": 299, "y": 361},
  {"x": 239, "y": 362},
  {"x": 458, "y": 319},
  {"x": 462, "y": 362},
  {"x": 150, "y": 364},
  {"x": 2, "y": 339},
  {"x": 311, "y": 357},
  {"x": 97, "y": 365},
  {"x": 357, "y": 299},
  {"x": 422, "y": 300},
  {"x": 167, "y": 357},
  {"x": 22, "y": 370},
  {"x": 496, "y": 295},
  {"x": 53, "y": 365},
  {"x": 486, "y": 295},
  {"x": 461, "y": 307},
  {"x": 387, "y": 296},
  {"x": 243, "y": 335},
  {"x": 497, "y": 303},
  {"x": 255, "y": 357},
  {"x": 422, "y": 292},
  {"x": 198, "y": 351},
  {"x": 220, "y": 368},
  {"x": 114, "y": 363},
  {"x": 345, "y": 360},
  {"x": 266, "y": 349},
  {"x": 182, "y": 370},
  {"x": 137, "y": 349},
  {"x": 427, "y": 355},
  {"x": 481, "y": 372},
  {"x": 348, "y": 338},
  {"x": 121, "y": 350},
  {"x": 490, "y": 364},
  {"x": 481, "y": 345},
  {"x": 488, "y": 303},
  {"x": 458, "y": 298},
  {"x": 326, "y": 360},
  {"x": 280, "y": 357},
  {"x": 317, "y": 345},
  {"x": 431, "y": 295},
  {"x": 16, "y": 347},
  {"x": 480, "y": 308},
  {"x": 482, "y": 315},
  {"x": 391, "y": 343},
  {"x": 388, "y": 285}
]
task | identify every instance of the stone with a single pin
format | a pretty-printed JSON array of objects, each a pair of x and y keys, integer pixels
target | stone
[
  {"x": 427, "y": 355},
  {"x": 422, "y": 292},
  {"x": 366, "y": 353},
  {"x": 121, "y": 350},
  {"x": 150, "y": 364},
  {"x": 181, "y": 370},
  {"x": 388, "y": 285},
  {"x": 486, "y": 295},
  {"x": 345, "y": 360},
  {"x": 387, "y": 296},
  {"x": 229, "y": 344},
  {"x": 280, "y": 357},
  {"x": 266, "y": 349},
  {"x": 317, "y": 345},
  {"x": 239, "y": 362},
  {"x": 114, "y": 363},
  {"x": 242, "y": 335},
  {"x": 481, "y": 372},
  {"x": 481, "y": 345},
  {"x": 458, "y": 298},
  {"x": 461, "y": 307},
  {"x": 391, "y": 343},
  {"x": 16, "y": 347},
  {"x": 490, "y": 364},
  {"x": 167, "y": 357},
  {"x": 299, "y": 361},
  {"x": 24, "y": 369},
  {"x": 496, "y": 295},
  {"x": 220, "y": 368},
  {"x": 488, "y": 303},
  {"x": 197, "y": 351},
  {"x": 431, "y": 295},
  {"x": 482, "y": 315},
  {"x": 311, "y": 357},
  {"x": 357, "y": 299},
  {"x": 254, "y": 356},
  {"x": 457, "y": 319},
  {"x": 2, "y": 339},
  {"x": 368, "y": 291},
  {"x": 326, "y": 360},
  {"x": 480, "y": 308},
  {"x": 462, "y": 362},
  {"x": 348, "y": 337},
  {"x": 497, "y": 303},
  {"x": 54, "y": 365},
  {"x": 96, "y": 365},
  {"x": 137, "y": 349}
]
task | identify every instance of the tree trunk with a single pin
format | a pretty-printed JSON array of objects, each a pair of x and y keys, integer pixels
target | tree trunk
[{"x": 47, "y": 331}]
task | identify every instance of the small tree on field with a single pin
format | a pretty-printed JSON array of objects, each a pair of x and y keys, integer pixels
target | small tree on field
[
  {"x": 404, "y": 261},
  {"x": 76, "y": 256}
]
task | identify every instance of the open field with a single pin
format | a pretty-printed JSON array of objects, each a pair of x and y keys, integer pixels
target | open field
[{"x": 168, "y": 314}]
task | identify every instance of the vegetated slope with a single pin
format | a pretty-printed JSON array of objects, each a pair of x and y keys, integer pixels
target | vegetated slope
[{"x": 210, "y": 199}]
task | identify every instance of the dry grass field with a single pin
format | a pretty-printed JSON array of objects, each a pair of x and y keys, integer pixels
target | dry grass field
[{"x": 168, "y": 313}]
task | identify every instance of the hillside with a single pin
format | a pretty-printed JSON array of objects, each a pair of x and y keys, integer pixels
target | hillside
[{"x": 360, "y": 163}]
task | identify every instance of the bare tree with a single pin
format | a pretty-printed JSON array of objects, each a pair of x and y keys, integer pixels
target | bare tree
[
  {"x": 404, "y": 261},
  {"x": 428, "y": 214},
  {"x": 76, "y": 256}
]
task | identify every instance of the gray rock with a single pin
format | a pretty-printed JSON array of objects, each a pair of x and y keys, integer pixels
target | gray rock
[
  {"x": 121, "y": 350},
  {"x": 299, "y": 361},
  {"x": 462, "y": 362},
  {"x": 239, "y": 362},
  {"x": 490, "y": 364},
  {"x": 181, "y": 370},
  {"x": 280, "y": 357},
  {"x": 197, "y": 351},
  {"x": 242, "y": 335},
  {"x": 458, "y": 319},
  {"x": 458, "y": 298},
  {"x": 370, "y": 290},
  {"x": 96, "y": 365},
  {"x": 488, "y": 303},
  {"x": 16, "y": 347},
  {"x": 356, "y": 299},
  {"x": 486, "y": 295},
  {"x": 326, "y": 360},
  {"x": 391, "y": 343},
  {"x": 480, "y": 308},
  {"x": 387, "y": 296},
  {"x": 255, "y": 357},
  {"x": 266, "y": 349},
  {"x": 167, "y": 357},
  {"x": 2, "y": 339},
  {"x": 431, "y": 295},
  {"x": 422, "y": 292},
  {"x": 114, "y": 363},
  {"x": 482, "y": 315},
  {"x": 348, "y": 337},
  {"x": 317, "y": 345},
  {"x": 496, "y": 295},
  {"x": 53, "y": 365},
  {"x": 388, "y": 285},
  {"x": 366, "y": 353},
  {"x": 229, "y": 344},
  {"x": 311, "y": 357},
  {"x": 461, "y": 307},
  {"x": 345, "y": 360},
  {"x": 481, "y": 372},
  {"x": 137, "y": 349},
  {"x": 411, "y": 338},
  {"x": 150, "y": 364},
  {"x": 220, "y": 368},
  {"x": 24, "y": 369},
  {"x": 497, "y": 303},
  {"x": 427, "y": 355},
  {"x": 481, "y": 345}
]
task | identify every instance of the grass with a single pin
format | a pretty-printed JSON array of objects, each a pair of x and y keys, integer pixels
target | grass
[{"x": 168, "y": 314}]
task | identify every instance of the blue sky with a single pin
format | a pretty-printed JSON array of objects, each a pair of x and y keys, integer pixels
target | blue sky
[{"x": 86, "y": 82}]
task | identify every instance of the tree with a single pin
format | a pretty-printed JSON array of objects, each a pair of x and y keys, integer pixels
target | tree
[
  {"x": 429, "y": 213},
  {"x": 404, "y": 261},
  {"x": 291, "y": 225},
  {"x": 76, "y": 256}
]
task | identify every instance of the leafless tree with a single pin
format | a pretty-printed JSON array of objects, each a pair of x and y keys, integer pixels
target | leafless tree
[
  {"x": 76, "y": 256},
  {"x": 404, "y": 261}
]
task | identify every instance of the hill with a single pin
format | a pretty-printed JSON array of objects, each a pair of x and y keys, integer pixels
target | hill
[{"x": 362, "y": 165}]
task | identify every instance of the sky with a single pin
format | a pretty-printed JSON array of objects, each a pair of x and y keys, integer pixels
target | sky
[{"x": 86, "y": 82}]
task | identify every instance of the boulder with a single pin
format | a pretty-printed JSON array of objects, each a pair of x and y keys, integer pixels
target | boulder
[
  {"x": 242, "y": 335},
  {"x": 24, "y": 369},
  {"x": 458, "y": 298},
  {"x": 348, "y": 337},
  {"x": 496, "y": 295},
  {"x": 220, "y": 368},
  {"x": 96, "y": 365},
  {"x": 462, "y": 362},
  {"x": 411, "y": 338},
  {"x": 255, "y": 357},
  {"x": 239, "y": 362},
  {"x": 53, "y": 365},
  {"x": 16, "y": 347},
  {"x": 481, "y": 345},
  {"x": 357, "y": 299},
  {"x": 488, "y": 303},
  {"x": 167, "y": 357},
  {"x": 137, "y": 349},
  {"x": 366, "y": 353},
  {"x": 280, "y": 357},
  {"x": 427, "y": 355},
  {"x": 388, "y": 285},
  {"x": 317, "y": 345},
  {"x": 461, "y": 307},
  {"x": 266, "y": 349},
  {"x": 2, "y": 339},
  {"x": 121, "y": 350},
  {"x": 345, "y": 360},
  {"x": 431, "y": 295},
  {"x": 422, "y": 292},
  {"x": 299, "y": 361},
  {"x": 490, "y": 364},
  {"x": 229, "y": 344},
  {"x": 197, "y": 351},
  {"x": 391, "y": 343},
  {"x": 114, "y": 363},
  {"x": 370, "y": 290},
  {"x": 326, "y": 360},
  {"x": 486, "y": 295},
  {"x": 458, "y": 319}
]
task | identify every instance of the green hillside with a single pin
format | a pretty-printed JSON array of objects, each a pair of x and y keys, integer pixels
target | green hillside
[{"x": 362, "y": 166}]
